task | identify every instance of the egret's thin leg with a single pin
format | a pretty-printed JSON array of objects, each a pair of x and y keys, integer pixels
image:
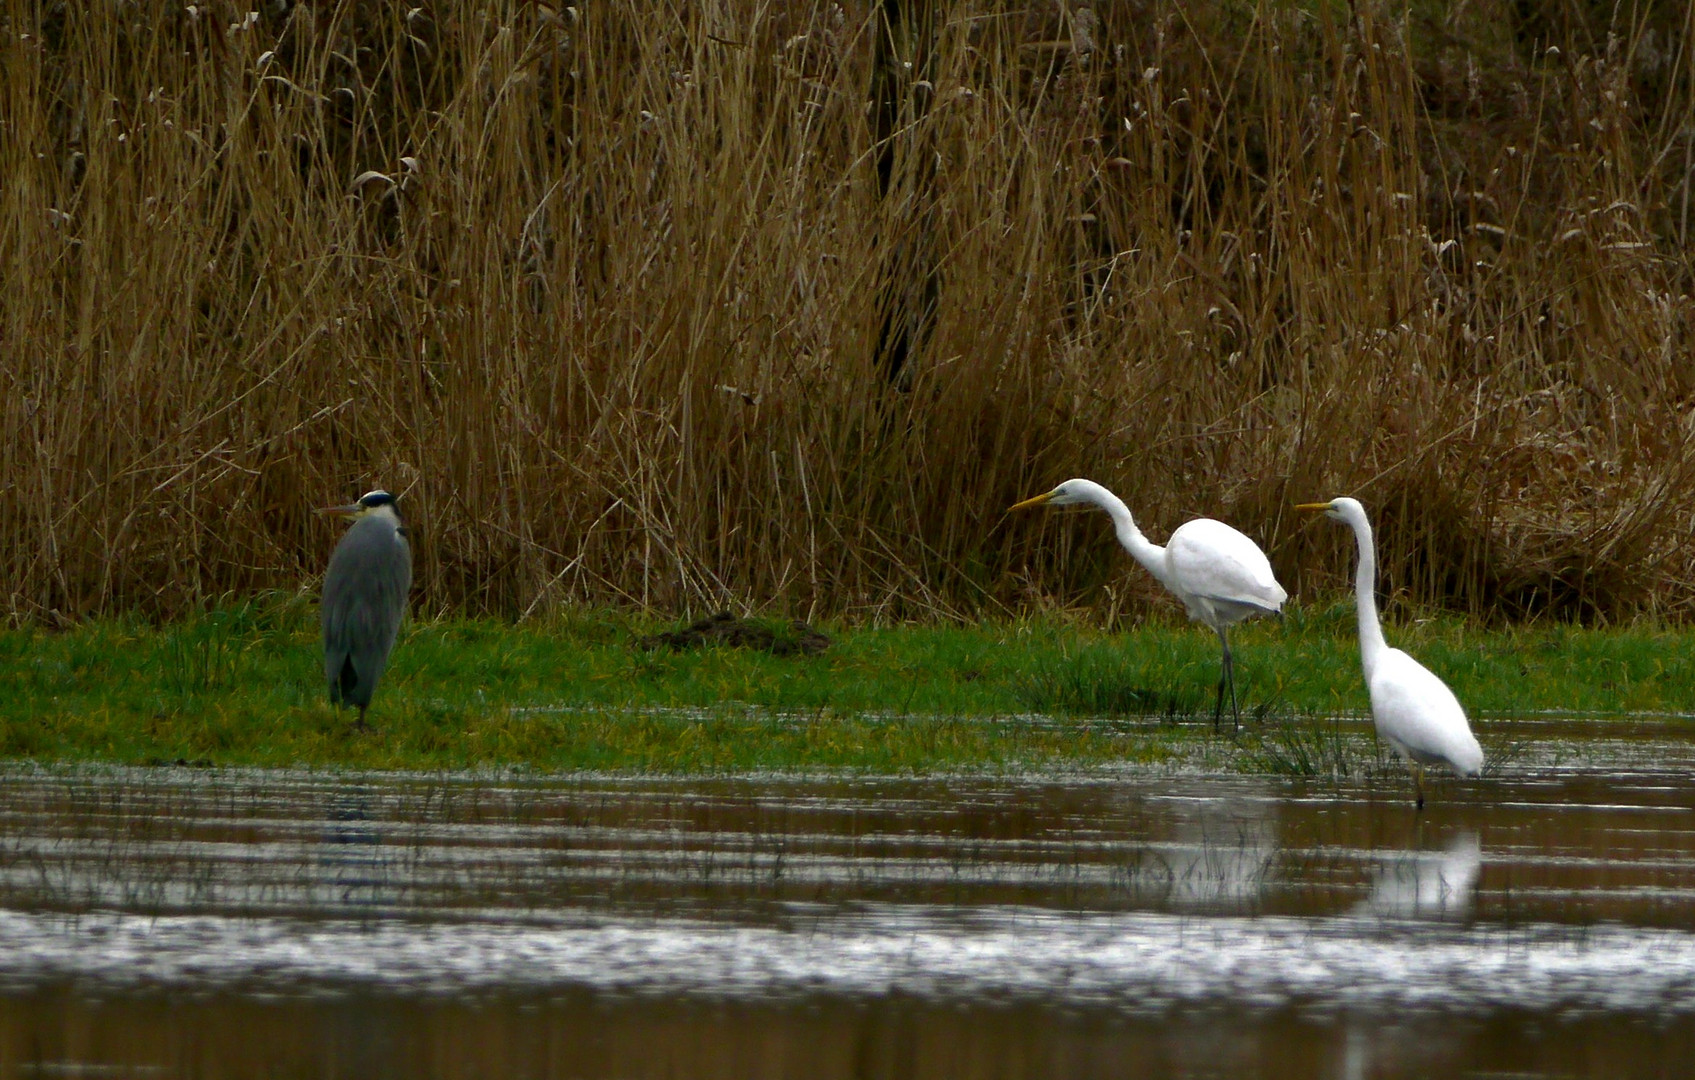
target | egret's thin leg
[
  {"x": 1223, "y": 676},
  {"x": 1235, "y": 709},
  {"x": 1227, "y": 677}
]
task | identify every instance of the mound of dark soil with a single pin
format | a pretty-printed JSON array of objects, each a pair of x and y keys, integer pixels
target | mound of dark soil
[{"x": 725, "y": 629}]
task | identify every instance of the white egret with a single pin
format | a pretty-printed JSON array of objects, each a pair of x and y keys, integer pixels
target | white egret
[
  {"x": 1412, "y": 708},
  {"x": 1221, "y": 576}
]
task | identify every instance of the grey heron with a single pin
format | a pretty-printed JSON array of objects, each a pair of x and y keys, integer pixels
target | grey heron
[
  {"x": 364, "y": 598},
  {"x": 1221, "y": 576}
]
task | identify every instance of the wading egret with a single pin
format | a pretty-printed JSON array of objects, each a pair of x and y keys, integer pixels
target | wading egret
[
  {"x": 1221, "y": 576},
  {"x": 364, "y": 598},
  {"x": 1411, "y": 707}
]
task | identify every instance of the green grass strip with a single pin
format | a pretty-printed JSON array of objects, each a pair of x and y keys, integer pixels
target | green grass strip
[{"x": 242, "y": 685}]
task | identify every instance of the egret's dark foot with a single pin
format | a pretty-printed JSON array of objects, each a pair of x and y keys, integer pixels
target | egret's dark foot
[{"x": 1235, "y": 720}]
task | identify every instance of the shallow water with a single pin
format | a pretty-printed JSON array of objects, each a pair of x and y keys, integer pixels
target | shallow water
[{"x": 1538, "y": 922}]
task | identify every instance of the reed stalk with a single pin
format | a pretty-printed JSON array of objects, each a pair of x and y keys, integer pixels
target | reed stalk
[{"x": 598, "y": 291}]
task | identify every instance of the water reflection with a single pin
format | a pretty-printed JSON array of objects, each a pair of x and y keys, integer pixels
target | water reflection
[
  {"x": 1182, "y": 925},
  {"x": 1208, "y": 850},
  {"x": 353, "y": 859},
  {"x": 1428, "y": 884}
]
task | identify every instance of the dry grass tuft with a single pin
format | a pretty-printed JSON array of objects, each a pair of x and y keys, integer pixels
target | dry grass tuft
[{"x": 600, "y": 290}]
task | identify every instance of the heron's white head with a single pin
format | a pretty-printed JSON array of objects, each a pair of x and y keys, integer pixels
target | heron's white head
[
  {"x": 372, "y": 503},
  {"x": 1072, "y": 491},
  {"x": 1343, "y": 509}
]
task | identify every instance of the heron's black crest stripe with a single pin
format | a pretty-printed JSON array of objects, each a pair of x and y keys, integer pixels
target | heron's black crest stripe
[{"x": 376, "y": 498}]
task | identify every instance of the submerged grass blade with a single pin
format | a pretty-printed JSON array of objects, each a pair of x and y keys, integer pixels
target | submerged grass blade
[{"x": 1284, "y": 743}]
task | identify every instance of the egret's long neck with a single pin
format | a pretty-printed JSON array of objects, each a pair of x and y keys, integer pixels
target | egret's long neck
[
  {"x": 1365, "y": 599},
  {"x": 1143, "y": 550}
]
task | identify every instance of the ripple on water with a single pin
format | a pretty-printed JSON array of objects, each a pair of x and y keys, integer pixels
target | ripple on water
[
  {"x": 1548, "y": 887},
  {"x": 1142, "y": 962}
]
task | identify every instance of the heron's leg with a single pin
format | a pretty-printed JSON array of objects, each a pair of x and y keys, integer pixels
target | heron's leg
[
  {"x": 360, "y": 725},
  {"x": 1418, "y": 784}
]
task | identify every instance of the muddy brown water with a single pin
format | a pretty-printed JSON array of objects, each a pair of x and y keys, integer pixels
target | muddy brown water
[{"x": 1539, "y": 922}]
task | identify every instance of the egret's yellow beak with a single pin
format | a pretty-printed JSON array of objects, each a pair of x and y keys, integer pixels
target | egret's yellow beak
[
  {"x": 1312, "y": 506},
  {"x": 1033, "y": 501},
  {"x": 351, "y": 510}
]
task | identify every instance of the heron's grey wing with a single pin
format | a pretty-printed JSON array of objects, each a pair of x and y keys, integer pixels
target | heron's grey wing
[{"x": 364, "y": 599}]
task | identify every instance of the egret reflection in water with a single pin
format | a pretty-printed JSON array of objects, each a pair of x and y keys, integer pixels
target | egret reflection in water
[
  {"x": 684, "y": 926},
  {"x": 1428, "y": 884}
]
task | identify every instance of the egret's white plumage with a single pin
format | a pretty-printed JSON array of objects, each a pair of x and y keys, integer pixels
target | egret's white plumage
[
  {"x": 1221, "y": 576},
  {"x": 1412, "y": 708}
]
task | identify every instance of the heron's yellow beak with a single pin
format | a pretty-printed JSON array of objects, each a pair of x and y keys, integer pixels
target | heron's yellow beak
[
  {"x": 351, "y": 510},
  {"x": 1312, "y": 506},
  {"x": 1033, "y": 501}
]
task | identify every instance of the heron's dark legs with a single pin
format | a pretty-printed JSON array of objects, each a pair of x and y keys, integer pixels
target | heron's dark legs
[
  {"x": 1418, "y": 785},
  {"x": 1226, "y": 677},
  {"x": 360, "y": 725},
  {"x": 346, "y": 680}
]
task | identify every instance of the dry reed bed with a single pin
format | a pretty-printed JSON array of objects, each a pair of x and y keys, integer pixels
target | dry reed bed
[{"x": 600, "y": 291}]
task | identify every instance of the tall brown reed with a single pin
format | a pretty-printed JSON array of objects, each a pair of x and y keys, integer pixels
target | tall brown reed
[{"x": 597, "y": 290}]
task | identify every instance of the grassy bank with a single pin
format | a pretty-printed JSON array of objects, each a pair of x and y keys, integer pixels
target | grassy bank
[{"x": 241, "y": 685}]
